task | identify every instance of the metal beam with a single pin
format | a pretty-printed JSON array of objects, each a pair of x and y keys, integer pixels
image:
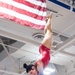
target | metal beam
[
  {"x": 18, "y": 38},
  {"x": 8, "y": 72},
  {"x": 70, "y": 54},
  {"x": 9, "y": 56}
]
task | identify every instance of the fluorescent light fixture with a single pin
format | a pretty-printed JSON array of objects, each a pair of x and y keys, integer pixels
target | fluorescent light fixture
[{"x": 48, "y": 71}]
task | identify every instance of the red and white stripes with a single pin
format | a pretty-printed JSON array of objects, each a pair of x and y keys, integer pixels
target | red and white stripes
[{"x": 26, "y": 12}]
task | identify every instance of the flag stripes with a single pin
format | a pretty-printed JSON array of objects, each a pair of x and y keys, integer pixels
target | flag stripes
[{"x": 25, "y": 12}]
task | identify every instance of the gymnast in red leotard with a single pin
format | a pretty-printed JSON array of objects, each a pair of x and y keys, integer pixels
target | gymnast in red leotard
[{"x": 44, "y": 49}]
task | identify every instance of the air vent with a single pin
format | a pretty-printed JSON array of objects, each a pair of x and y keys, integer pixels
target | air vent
[{"x": 38, "y": 36}]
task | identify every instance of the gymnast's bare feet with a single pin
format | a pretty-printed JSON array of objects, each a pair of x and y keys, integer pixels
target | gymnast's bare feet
[{"x": 48, "y": 23}]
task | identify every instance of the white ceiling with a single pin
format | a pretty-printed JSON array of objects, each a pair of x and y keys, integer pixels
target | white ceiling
[{"x": 63, "y": 23}]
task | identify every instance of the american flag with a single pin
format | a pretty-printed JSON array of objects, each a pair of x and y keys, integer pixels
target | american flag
[{"x": 30, "y": 13}]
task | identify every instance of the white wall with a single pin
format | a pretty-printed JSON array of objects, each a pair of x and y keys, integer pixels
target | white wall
[
  {"x": 60, "y": 70},
  {"x": 70, "y": 68},
  {"x": 67, "y": 69}
]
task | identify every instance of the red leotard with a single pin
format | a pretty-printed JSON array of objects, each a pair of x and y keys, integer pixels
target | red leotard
[{"x": 45, "y": 52}]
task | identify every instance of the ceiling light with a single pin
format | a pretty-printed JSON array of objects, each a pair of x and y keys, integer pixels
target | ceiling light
[
  {"x": 48, "y": 71},
  {"x": 38, "y": 36}
]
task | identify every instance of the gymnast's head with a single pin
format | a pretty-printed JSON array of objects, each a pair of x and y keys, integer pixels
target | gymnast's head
[{"x": 31, "y": 69}]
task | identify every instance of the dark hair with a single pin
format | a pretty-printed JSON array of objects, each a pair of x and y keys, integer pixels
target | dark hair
[{"x": 28, "y": 67}]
